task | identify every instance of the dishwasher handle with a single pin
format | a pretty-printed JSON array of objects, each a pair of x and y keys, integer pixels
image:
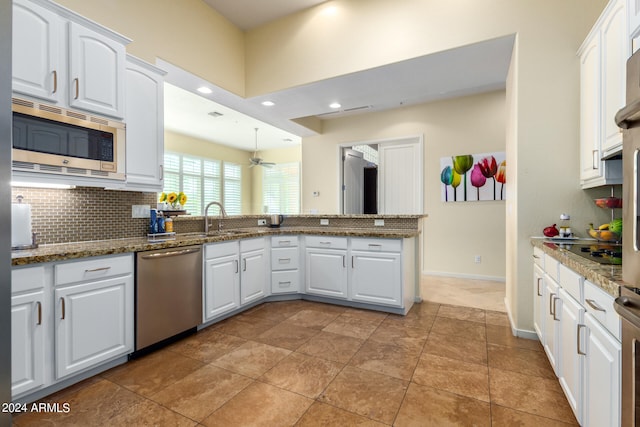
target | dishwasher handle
[{"x": 170, "y": 253}]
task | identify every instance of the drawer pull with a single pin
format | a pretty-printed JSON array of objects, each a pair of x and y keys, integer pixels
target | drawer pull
[
  {"x": 374, "y": 245},
  {"x": 39, "y": 307},
  {"x": 325, "y": 243},
  {"x": 95, "y": 270},
  {"x": 539, "y": 280},
  {"x": 62, "y": 308},
  {"x": 284, "y": 260},
  {"x": 284, "y": 242},
  {"x": 580, "y": 352},
  {"x": 594, "y": 305},
  {"x": 288, "y": 283}
]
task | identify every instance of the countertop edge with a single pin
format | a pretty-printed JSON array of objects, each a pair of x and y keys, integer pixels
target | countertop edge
[
  {"x": 606, "y": 277},
  {"x": 67, "y": 251}
]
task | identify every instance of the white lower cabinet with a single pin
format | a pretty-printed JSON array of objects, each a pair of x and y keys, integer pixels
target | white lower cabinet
[
  {"x": 571, "y": 360},
  {"x": 538, "y": 295},
  {"x": 94, "y": 323},
  {"x": 376, "y": 277},
  {"x": 581, "y": 337},
  {"x": 601, "y": 375},
  {"x": 285, "y": 264},
  {"x": 29, "y": 322},
  {"x": 235, "y": 274},
  {"x": 68, "y": 318},
  {"x": 326, "y": 272}
]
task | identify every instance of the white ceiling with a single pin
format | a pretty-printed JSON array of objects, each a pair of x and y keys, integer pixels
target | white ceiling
[
  {"x": 466, "y": 70},
  {"x": 248, "y": 14}
]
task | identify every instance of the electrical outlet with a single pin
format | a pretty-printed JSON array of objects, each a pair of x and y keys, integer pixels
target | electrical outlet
[
  {"x": 324, "y": 222},
  {"x": 378, "y": 222},
  {"x": 140, "y": 211},
  {"x": 262, "y": 222},
  {"x": 477, "y": 259}
]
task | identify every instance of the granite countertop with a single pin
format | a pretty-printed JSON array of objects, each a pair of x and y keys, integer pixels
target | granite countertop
[
  {"x": 607, "y": 277},
  {"x": 65, "y": 251}
]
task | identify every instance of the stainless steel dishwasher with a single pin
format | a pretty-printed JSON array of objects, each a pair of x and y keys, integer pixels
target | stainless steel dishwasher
[{"x": 168, "y": 293}]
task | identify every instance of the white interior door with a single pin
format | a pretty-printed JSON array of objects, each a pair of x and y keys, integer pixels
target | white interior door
[
  {"x": 353, "y": 164},
  {"x": 400, "y": 177}
]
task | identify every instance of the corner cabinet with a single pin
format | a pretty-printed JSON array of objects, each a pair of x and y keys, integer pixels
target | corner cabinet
[
  {"x": 603, "y": 57},
  {"x": 144, "y": 101},
  {"x": 68, "y": 60}
]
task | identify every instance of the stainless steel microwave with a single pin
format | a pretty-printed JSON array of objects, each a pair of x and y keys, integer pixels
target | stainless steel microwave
[{"x": 54, "y": 140}]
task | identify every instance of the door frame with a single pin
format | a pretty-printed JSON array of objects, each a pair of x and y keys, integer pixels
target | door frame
[{"x": 418, "y": 138}]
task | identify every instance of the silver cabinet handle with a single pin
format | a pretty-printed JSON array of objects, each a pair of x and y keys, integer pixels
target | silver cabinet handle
[
  {"x": 77, "y": 85},
  {"x": 551, "y": 295},
  {"x": 284, "y": 242},
  {"x": 325, "y": 243},
  {"x": 39, "y": 308},
  {"x": 171, "y": 253},
  {"x": 353, "y": 265},
  {"x": 244, "y": 264},
  {"x": 536, "y": 256},
  {"x": 55, "y": 81},
  {"x": 284, "y": 260},
  {"x": 288, "y": 283},
  {"x": 344, "y": 261},
  {"x": 161, "y": 172},
  {"x": 595, "y": 160},
  {"x": 555, "y": 309},
  {"x": 580, "y": 352},
  {"x": 62, "y": 307},
  {"x": 95, "y": 270},
  {"x": 237, "y": 267},
  {"x": 539, "y": 280},
  {"x": 594, "y": 305},
  {"x": 374, "y": 245}
]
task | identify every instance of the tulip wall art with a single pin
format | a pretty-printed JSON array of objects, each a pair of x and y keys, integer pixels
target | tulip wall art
[{"x": 473, "y": 177}]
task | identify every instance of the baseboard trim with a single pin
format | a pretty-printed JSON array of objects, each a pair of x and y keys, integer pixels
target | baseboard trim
[
  {"x": 520, "y": 333},
  {"x": 464, "y": 276}
]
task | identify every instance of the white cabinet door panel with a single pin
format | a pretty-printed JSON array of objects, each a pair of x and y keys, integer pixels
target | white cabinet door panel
[
  {"x": 326, "y": 272},
  {"x": 538, "y": 302},
  {"x": 27, "y": 342},
  {"x": 222, "y": 286},
  {"x": 94, "y": 323},
  {"x": 376, "y": 278},
  {"x": 551, "y": 323},
  {"x": 253, "y": 276},
  {"x": 571, "y": 380}
]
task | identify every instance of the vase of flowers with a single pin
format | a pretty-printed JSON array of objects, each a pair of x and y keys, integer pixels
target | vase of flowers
[{"x": 176, "y": 201}]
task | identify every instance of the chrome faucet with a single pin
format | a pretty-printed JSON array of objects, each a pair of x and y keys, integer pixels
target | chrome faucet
[{"x": 223, "y": 214}]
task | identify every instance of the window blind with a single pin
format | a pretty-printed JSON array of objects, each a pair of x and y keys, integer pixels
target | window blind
[
  {"x": 232, "y": 188},
  {"x": 281, "y": 188}
]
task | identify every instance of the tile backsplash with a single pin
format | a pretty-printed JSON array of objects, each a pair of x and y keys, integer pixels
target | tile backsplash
[{"x": 84, "y": 213}]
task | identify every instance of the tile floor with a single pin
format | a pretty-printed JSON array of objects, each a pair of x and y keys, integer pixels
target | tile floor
[{"x": 309, "y": 364}]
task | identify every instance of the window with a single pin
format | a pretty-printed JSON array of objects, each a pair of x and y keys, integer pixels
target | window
[
  {"x": 281, "y": 188},
  {"x": 202, "y": 181}
]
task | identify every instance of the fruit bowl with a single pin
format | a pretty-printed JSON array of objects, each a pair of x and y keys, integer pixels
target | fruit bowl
[
  {"x": 609, "y": 202},
  {"x": 604, "y": 235}
]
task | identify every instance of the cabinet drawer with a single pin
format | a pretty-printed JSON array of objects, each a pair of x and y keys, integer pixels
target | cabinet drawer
[
  {"x": 326, "y": 242},
  {"x": 551, "y": 266},
  {"x": 285, "y": 258},
  {"x": 215, "y": 250},
  {"x": 252, "y": 244},
  {"x": 284, "y": 241},
  {"x": 538, "y": 257},
  {"x": 285, "y": 281},
  {"x": 600, "y": 305},
  {"x": 93, "y": 269},
  {"x": 378, "y": 245},
  {"x": 572, "y": 282},
  {"x": 25, "y": 279}
]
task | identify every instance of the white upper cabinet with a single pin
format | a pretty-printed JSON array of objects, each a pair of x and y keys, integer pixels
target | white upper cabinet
[
  {"x": 47, "y": 39},
  {"x": 37, "y": 65},
  {"x": 633, "y": 15},
  {"x": 96, "y": 72},
  {"x": 145, "y": 125},
  {"x": 603, "y": 57}
]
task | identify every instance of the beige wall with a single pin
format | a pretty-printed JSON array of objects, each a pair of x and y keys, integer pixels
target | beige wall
[
  {"x": 186, "y": 33},
  {"x": 179, "y": 143},
  {"x": 453, "y": 232}
]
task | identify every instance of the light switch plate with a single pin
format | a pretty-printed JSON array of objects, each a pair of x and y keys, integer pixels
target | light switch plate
[
  {"x": 324, "y": 222},
  {"x": 378, "y": 222},
  {"x": 140, "y": 211}
]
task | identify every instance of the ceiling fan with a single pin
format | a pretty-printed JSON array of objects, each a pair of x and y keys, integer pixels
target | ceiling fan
[{"x": 257, "y": 161}]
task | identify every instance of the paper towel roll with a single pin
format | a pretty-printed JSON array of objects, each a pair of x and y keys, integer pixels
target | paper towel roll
[{"x": 20, "y": 224}]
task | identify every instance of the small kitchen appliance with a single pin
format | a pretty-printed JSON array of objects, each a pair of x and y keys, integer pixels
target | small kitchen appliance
[{"x": 276, "y": 221}]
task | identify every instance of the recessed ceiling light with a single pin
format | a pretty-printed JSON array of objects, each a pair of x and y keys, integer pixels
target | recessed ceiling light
[
  {"x": 335, "y": 105},
  {"x": 204, "y": 89},
  {"x": 268, "y": 103}
]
